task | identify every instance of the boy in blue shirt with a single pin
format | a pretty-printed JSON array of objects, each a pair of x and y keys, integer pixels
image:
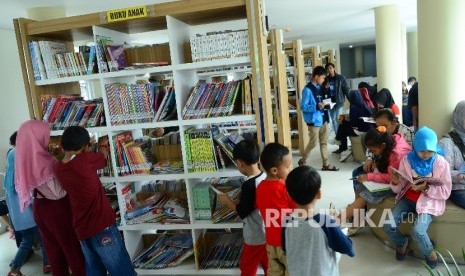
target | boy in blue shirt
[{"x": 311, "y": 240}]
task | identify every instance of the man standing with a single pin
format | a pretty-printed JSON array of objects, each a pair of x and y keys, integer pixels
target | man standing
[
  {"x": 315, "y": 105},
  {"x": 336, "y": 87}
]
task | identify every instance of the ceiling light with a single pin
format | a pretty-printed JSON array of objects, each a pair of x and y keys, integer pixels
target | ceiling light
[{"x": 351, "y": 46}]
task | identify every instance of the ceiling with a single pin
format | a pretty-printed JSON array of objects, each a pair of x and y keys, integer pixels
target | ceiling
[{"x": 343, "y": 22}]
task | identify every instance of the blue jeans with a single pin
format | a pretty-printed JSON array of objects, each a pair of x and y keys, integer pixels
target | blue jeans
[
  {"x": 458, "y": 198},
  {"x": 24, "y": 248},
  {"x": 334, "y": 114},
  {"x": 420, "y": 226},
  {"x": 106, "y": 252}
]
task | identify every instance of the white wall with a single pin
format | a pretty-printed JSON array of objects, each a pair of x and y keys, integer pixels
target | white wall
[{"x": 13, "y": 105}]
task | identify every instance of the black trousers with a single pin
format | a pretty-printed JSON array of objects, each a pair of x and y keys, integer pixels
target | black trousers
[{"x": 343, "y": 132}]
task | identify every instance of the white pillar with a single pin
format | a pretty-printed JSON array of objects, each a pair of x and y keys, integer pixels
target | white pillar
[
  {"x": 388, "y": 50},
  {"x": 359, "y": 66},
  {"x": 403, "y": 51},
  {"x": 441, "y": 55},
  {"x": 412, "y": 54}
]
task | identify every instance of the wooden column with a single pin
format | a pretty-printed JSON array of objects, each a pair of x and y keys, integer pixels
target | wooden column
[
  {"x": 280, "y": 88},
  {"x": 299, "y": 83},
  {"x": 260, "y": 72}
]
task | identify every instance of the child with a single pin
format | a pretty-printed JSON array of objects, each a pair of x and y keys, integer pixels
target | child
[
  {"x": 246, "y": 155},
  {"x": 23, "y": 221},
  {"x": 425, "y": 201},
  {"x": 310, "y": 244},
  {"x": 274, "y": 203},
  {"x": 388, "y": 150},
  {"x": 35, "y": 173},
  {"x": 93, "y": 218},
  {"x": 385, "y": 117}
]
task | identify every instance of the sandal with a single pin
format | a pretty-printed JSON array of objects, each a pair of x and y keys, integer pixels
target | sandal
[
  {"x": 302, "y": 162},
  {"x": 329, "y": 167},
  {"x": 401, "y": 256}
]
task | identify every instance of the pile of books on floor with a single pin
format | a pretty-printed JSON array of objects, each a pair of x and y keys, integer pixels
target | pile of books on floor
[
  {"x": 168, "y": 250},
  {"x": 155, "y": 207},
  {"x": 224, "y": 252}
]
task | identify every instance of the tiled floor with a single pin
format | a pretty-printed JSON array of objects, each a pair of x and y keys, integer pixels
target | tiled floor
[{"x": 372, "y": 257}]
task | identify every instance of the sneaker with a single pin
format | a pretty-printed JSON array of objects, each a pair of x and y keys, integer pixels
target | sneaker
[
  {"x": 302, "y": 162},
  {"x": 345, "y": 154},
  {"x": 339, "y": 150}
]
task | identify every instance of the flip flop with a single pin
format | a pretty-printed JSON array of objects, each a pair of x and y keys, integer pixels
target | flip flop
[{"x": 329, "y": 167}]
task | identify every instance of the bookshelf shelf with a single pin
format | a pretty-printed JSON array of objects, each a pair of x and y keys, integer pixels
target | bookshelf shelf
[
  {"x": 216, "y": 63},
  {"x": 154, "y": 226},
  {"x": 206, "y": 224},
  {"x": 218, "y": 120},
  {"x": 220, "y": 173},
  {"x": 182, "y": 21}
]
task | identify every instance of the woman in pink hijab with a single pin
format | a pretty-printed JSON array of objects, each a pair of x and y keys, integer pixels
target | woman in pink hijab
[{"x": 34, "y": 171}]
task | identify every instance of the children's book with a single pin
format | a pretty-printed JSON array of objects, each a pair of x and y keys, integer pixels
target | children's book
[
  {"x": 407, "y": 182},
  {"x": 376, "y": 187}
]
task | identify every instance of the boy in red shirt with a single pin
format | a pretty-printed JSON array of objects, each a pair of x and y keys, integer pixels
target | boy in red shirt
[
  {"x": 94, "y": 220},
  {"x": 274, "y": 203}
]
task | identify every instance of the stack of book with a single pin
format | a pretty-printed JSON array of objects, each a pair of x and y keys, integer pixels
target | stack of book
[
  {"x": 166, "y": 153},
  {"x": 219, "y": 45},
  {"x": 209, "y": 149},
  {"x": 129, "y": 103},
  {"x": 110, "y": 192},
  {"x": 109, "y": 57},
  {"x": 107, "y": 170},
  {"x": 165, "y": 186},
  {"x": 130, "y": 157},
  {"x": 225, "y": 252},
  {"x": 63, "y": 111},
  {"x": 164, "y": 102},
  {"x": 155, "y": 207},
  {"x": 206, "y": 204},
  {"x": 212, "y": 100},
  {"x": 168, "y": 250}
]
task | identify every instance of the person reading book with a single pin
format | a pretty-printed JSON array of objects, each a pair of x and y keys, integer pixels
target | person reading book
[
  {"x": 388, "y": 151},
  {"x": 425, "y": 201},
  {"x": 35, "y": 174},
  {"x": 94, "y": 220},
  {"x": 274, "y": 203},
  {"x": 246, "y": 154},
  {"x": 311, "y": 240}
]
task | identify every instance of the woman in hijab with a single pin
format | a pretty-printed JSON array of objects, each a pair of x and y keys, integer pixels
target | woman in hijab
[
  {"x": 453, "y": 145},
  {"x": 383, "y": 99},
  {"x": 360, "y": 106},
  {"x": 23, "y": 221},
  {"x": 425, "y": 200},
  {"x": 34, "y": 172}
]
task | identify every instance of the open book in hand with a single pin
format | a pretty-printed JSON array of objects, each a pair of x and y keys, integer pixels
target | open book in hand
[
  {"x": 403, "y": 179},
  {"x": 407, "y": 182},
  {"x": 328, "y": 103}
]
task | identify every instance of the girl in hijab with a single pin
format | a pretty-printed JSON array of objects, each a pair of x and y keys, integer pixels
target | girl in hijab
[
  {"x": 453, "y": 145},
  {"x": 23, "y": 221},
  {"x": 34, "y": 172},
  {"x": 423, "y": 200},
  {"x": 383, "y": 99}
]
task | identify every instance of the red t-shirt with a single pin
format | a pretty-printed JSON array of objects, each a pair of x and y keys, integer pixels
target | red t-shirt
[
  {"x": 272, "y": 195},
  {"x": 92, "y": 212}
]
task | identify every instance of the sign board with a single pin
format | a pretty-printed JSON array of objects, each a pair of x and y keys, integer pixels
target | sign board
[{"x": 127, "y": 14}]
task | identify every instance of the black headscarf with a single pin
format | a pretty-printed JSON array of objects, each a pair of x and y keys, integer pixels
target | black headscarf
[{"x": 384, "y": 98}]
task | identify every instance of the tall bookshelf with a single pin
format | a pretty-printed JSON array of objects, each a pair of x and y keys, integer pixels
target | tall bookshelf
[{"x": 181, "y": 21}]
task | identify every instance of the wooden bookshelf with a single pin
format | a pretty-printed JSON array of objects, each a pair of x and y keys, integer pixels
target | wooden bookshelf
[{"x": 180, "y": 20}]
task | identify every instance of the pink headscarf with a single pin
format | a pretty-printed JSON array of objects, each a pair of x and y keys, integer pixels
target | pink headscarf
[
  {"x": 366, "y": 98},
  {"x": 34, "y": 165}
]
